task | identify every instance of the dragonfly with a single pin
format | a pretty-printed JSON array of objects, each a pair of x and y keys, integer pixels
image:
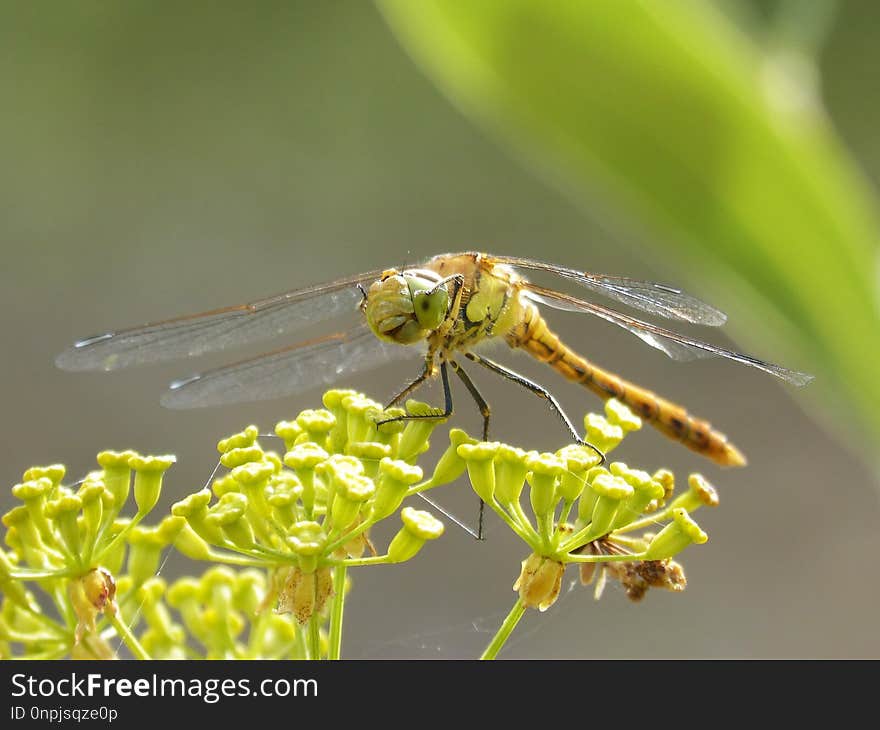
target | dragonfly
[{"x": 445, "y": 309}]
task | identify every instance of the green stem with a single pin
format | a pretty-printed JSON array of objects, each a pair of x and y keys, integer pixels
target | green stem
[
  {"x": 336, "y": 611},
  {"x": 626, "y": 558},
  {"x": 315, "y": 636},
  {"x": 129, "y": 638},
  {"x": 341, "y": 540},
  {"x": 372, "y": 560},
  {"x": 121, "y": 537},
  {"x": 516, "y": 520},
  {"x": 504, "y": 631},
  {"x": 650, "y": 520},
  {"x": 40, "y": 574},
  {"x": 546, "y": 531},
  {"x": 232, "y": 558}
]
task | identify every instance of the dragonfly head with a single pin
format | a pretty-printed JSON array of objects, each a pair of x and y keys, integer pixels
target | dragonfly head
[{"x": 405, "y": 307}]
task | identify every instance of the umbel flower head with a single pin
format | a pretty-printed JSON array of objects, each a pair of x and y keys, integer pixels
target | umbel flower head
[
  {"x": 72, "y": 544},
  {"x": 586, "y": 514},
  {"x": 304, "y": 513},
  {"x": 215, "y": 616}
]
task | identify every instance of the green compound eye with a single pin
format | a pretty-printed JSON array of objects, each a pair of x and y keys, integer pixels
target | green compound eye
[{"x": 430, "y": 307}]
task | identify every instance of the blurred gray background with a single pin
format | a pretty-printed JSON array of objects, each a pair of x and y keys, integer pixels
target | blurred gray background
[{"x": 161, "y": 159}]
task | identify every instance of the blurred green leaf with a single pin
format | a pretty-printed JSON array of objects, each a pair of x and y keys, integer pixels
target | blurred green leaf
[{"x": 720, "y": 150}]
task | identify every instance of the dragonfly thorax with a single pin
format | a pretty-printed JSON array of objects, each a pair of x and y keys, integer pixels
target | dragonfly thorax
[{"x": 406, "y": 307}]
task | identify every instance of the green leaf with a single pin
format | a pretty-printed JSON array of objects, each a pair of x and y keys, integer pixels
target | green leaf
[{"x": 719, "y": 149}]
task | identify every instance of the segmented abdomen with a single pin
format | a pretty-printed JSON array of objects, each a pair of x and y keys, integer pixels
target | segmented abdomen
[{"x": 534, "y": 336}]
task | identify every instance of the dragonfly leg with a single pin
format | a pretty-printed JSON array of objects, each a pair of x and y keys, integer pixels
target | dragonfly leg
[
  {"x": 447, "y": 395},
  {"x": 415, "y": 384},
  {"x": 447, "y": 411},
  {"x": 456, "y": 279},
  {"x": 539, "y": 391},
  {"x": 486, "y": 413}
]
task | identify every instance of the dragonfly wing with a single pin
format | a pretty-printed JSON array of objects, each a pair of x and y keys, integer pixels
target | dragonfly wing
[
  {"x": 216, "y": 330},
  {"x": 286, "y": 372},
  {"x": 675, "y": 345},
  {"x": 659, "y": 299}
]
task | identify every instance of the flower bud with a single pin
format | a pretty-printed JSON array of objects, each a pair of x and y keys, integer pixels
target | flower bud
[
  {"x": 241, "y": 440},
  {"x": 480, "y": 458},
  {"x": 450, "y": 466},
  {"x": 620, "y": 415},
  {"x": 117, "y": 474},
  {"x": 242, "y": 455},
  {"x": 510, "y": 474},
  {"x": 394, "y": 480},
  {"x": 303, "y": 459},
  {"x": 418, "y": 527},
  {"x": 91, "y": 494},
  {"x": 148, "y": 472},
  {"x": 54, "y": 473},
  {"x": 578, "y": 460},
  {"x": 289, "y": 432},
  {"x": 544, "y": 470},
  {"x": 700, "y": 493},
  {"x": 194, "y": 509},
  {"x": 333, "y": 402},
  {"x": 414, "y": 439},
  {"x": 588, "y": 497},
  {"x": 352, "y": 491},
  {"x": 612, "y": 491},
  {"x": 361, "y": 415},
  {"x": 254, "y": 478},
  {"x": 317, "y": 424},
  {"x": 675, "y": 537},
  {"x": 369, "y": 453},
  {"x": 228, "y": 515},
  {"x": 64, "y": 512},
  {"x": 34, "y": 494},
  {"x": 145, "y": 552},
  {"x": 389, "y": 428},
  {"x": 189, "y": 543},
  {"x": 307, "y": 539},
  {"x": 645, "y": 491},
  {"x": 602, "y": 434}
]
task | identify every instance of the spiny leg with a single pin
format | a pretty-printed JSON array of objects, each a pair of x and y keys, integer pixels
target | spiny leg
[
  {"x": 456, "y": 279},
  {"x": 447, "y": 411},
  {"x": 412, "y": 386},
  {"x": 486, "y": 413},
  {"x": 539, "y": 391},
  {"x": 447, "y": 398}
]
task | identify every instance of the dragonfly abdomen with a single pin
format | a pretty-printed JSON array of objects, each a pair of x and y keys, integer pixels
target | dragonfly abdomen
[{"x": 535, "y": 337}]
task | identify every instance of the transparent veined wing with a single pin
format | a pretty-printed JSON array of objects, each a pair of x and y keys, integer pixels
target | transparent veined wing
[
  {"x": 675, "y": 345},
  {"x": 216, "y": 330},
  {"x": 288, "y": 371},
  {"x": 660, "y": 299}
]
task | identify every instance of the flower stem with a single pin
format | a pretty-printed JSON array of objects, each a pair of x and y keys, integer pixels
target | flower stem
[
  {"x": 314, "y": 637},
  {"x": 129, "y": 638},
  {"x": 336, "y": 612},
  {"x": 504, "y": 631}
]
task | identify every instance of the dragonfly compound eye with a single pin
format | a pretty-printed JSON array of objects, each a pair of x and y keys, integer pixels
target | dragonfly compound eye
[{"x": 431, "y": 307}]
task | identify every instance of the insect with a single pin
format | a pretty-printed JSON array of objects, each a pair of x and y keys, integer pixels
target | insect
[{"x": 447, "y": 306}]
